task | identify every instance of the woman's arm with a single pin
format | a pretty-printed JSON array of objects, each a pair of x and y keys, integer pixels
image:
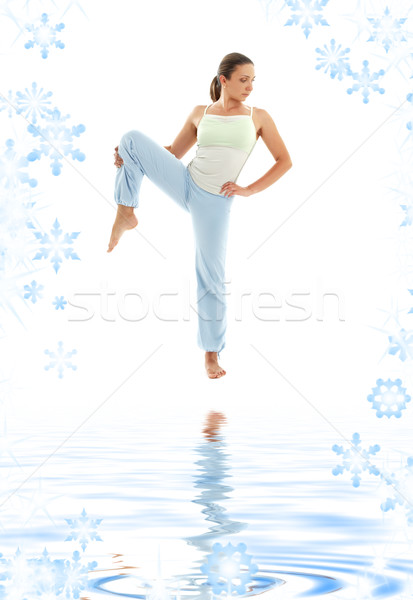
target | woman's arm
[
  {"x": 276, "y": 146},
  {"x": 183, "y": 142},
  {"x": 186, "y": 138}
]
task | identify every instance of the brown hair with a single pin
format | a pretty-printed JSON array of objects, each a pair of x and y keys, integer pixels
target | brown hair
[{"x": 226, "y": 67}]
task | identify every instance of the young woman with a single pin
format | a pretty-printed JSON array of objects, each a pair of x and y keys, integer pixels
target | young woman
[{"x": 226, "y": 132}]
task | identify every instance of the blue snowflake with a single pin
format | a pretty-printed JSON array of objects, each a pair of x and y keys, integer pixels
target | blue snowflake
[
  {"x": 24, "y": 577},
  {"x": 408, "y": 210},
  {"x": 365, "y": 81},
  {"x": 355, "y": 460},
  {"x": 84, "y": 530},
  {"x": 227, "y": 565},
  {"x": 7, "y": 102},
  {"x": 11, "y": 168},
  {"x": 401, "y": 342},
  {"x": 33, "y": 103},
  {"x": 333, "y": 58},
  {"x": 44, "y": 35},
  {"x": 74, "y": 576},
  {"x": 389, "y": 398},
  {"x": 403, "y": 490},
  {"x": 56, "y": 245},
  {"x": 60, "y": 359},
  {"x": 306, "y": 11},
  {"x": 59, "y": 302},
  {"x": 387, "y": 30},
  {"x": 58, "y": 140},
  {"x": 33, "y": 291},
  {"x": 17, "y": 214}
]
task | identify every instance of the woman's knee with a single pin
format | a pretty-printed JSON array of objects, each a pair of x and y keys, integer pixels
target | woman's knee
[
  {"x": 130, "y": 143},
  {"x": 130, "y": 136}
]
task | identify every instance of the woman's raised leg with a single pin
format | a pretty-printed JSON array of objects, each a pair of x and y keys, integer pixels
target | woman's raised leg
[{"x": 141, "y": 156}]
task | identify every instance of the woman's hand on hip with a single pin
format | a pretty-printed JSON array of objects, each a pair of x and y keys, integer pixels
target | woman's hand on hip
[
  {"x": 232, "y": 189},
  {"x": 118, "y": 160}
]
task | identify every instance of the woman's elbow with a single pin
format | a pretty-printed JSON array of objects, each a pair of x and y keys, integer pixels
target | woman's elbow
[{"x": 288, "y": 161}]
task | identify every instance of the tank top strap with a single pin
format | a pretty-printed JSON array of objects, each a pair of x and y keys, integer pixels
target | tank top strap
[
  {"x": 251, "y": 111},
  {"x": 208, "y": 105}
]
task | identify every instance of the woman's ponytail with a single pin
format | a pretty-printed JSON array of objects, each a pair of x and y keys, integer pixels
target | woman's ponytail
[{"x": 215, "y": 89}]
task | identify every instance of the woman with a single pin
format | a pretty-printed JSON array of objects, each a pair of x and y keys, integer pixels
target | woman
[{"x": 226, "y": 133}]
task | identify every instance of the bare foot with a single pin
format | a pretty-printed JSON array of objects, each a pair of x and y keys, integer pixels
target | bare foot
[
  {"x": 212, "y": 367},
  {"x": 125, "y": 219}
]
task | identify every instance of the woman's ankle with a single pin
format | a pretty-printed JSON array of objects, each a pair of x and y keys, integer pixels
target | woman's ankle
[{"x": 125, "y": 209}]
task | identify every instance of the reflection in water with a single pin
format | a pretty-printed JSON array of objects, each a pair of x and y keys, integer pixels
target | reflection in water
[
  {"x": 213, "y": 470},
  {"x": 294, "y": 565}
]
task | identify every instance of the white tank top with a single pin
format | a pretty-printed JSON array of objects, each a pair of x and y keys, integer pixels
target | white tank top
[{"x": 224, "y": 144}]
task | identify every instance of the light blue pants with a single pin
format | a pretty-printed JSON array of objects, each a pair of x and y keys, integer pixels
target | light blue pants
[{"x": 210, "y": 219}]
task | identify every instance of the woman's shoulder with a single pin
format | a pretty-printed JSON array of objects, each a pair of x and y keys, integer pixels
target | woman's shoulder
[
  {"x": 260, "y": 111},
  {"x": 262, "y": 116}
]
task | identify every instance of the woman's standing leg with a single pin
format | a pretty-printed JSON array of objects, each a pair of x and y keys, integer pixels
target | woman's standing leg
[
  {"x": 210, "y": 217},
  {"x": 141, "y": 156}
]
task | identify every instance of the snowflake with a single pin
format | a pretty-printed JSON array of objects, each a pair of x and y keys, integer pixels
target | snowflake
[
  {"x": 33, "y": 291},
  {"x": 74, "y": 576},
  {"x": 59, "y": 302},
  {"x": 60, "y": 359},
  {"x": 11, "y": 167},
  {"x": 355, "y": 459},
  {"x": 16, "y": 244},
  {"x": 306, "y": 10},
  {"x": 365, "y": 82},
  {"x": 226, "y": 565},
  {"x": 17, "y": 573},
  {"x": 389, "y": 398},
  {"x": 17, "y": 214},
  {"x": 56, "y": 246},
  {"x": 333, "y": 59},
  {"x": 58, "y": 137},
  {"x": 401, "y": 343},
  {"x": 7, "y": 102},
  {"x": 33, "y": 103},
  {"x": 408, "y": 210},
  {"x": 44, "y": 35},
  {"x": 403, "y": 494},
  {"x": 387, "y": 30},
  {"x": 27, "y": 578},
  {"x": 83, "y": 530}
]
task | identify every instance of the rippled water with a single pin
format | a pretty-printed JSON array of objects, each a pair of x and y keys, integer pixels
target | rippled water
[{"x": 166, "y": 494}]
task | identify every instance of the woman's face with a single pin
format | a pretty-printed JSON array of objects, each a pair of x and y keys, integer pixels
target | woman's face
[{"x": 241, "y": 83}]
